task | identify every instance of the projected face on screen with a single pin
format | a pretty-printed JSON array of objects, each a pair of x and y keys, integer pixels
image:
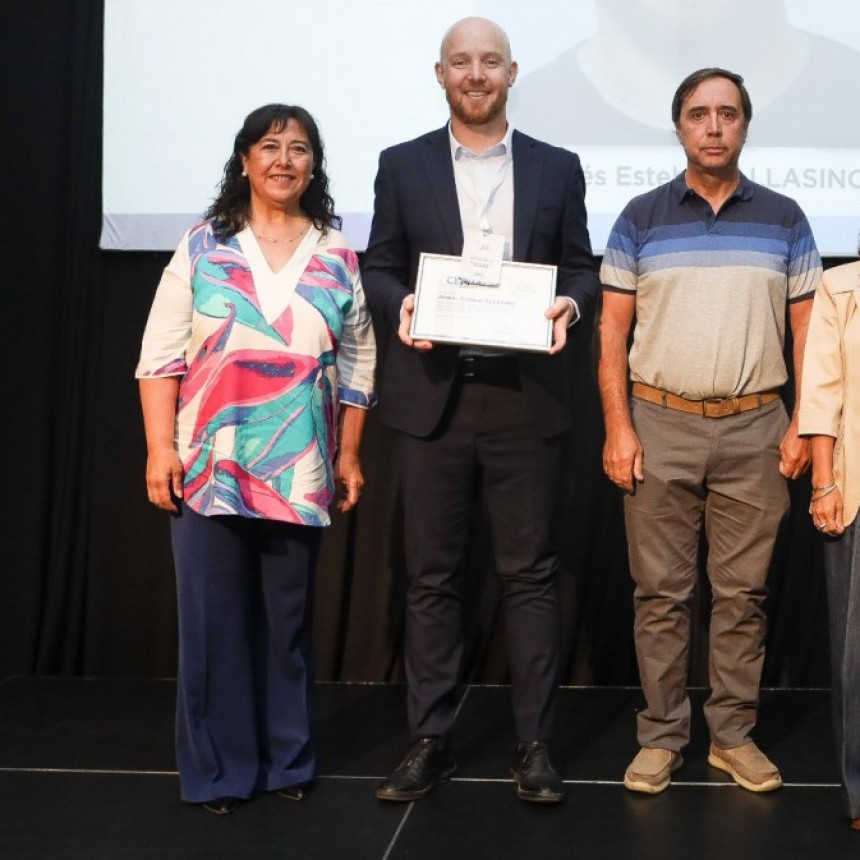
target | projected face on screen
[
  {"x": 616, "y": 86},
  {"x": 613, "y": 91},
  {"x": 676, "y": 18}
]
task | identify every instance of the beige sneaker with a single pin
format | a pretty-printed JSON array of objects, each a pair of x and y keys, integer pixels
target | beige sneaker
[
  {"x": 748, "y": 766},
  {"x": 651, "y": 771}
]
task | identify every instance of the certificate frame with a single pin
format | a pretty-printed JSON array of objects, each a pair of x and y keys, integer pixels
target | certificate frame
[{"x": 507, "y": 316}]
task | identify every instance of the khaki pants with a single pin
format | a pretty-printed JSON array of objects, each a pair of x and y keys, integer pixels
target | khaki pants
[{"x": 724, "y": 473}]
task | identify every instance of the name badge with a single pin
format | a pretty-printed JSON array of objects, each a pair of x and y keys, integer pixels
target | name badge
[{"x": 482, "y": 258}]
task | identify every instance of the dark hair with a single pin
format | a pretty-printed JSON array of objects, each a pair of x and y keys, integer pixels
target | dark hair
[
  {"x": 231, "y": 209},
  {"x": 693, "y": 80}
]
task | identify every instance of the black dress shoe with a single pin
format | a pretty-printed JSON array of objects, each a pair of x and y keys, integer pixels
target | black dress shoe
[
  {"x": 534, "y": 775},
  {"x": 295, "y": 792},
  {"x": 428, "y": 762},
  {"x": 222, "y": 805}
]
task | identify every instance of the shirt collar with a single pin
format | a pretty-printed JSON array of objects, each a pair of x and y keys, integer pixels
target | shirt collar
[
  {"x": 458, "y": 151},
  {"x": 680, "y": 190}
]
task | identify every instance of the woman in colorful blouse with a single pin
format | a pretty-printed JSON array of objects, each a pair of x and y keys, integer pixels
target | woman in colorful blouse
[
  {"x": 256, "y": 372},
  {"x": 830, "y": 414}
]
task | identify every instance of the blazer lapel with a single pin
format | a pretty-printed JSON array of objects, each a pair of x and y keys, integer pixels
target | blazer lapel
[
  {"x": 856, "y": 305},
  {"x": 845, "y": 291},
  {"x": 440, "y": 173},
  {"x": 528, "y": 166}
]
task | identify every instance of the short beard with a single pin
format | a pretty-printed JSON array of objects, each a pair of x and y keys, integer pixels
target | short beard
[{"x": 487, "y": 114}]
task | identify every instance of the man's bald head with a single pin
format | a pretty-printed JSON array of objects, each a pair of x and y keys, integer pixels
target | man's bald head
[{"x": 472, "y": 28}]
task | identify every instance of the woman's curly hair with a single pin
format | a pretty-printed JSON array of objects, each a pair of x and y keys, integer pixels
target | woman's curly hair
[{"x": 231, "y": 209}]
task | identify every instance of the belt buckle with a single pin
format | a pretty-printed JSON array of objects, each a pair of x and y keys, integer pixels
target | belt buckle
[
  {"x": 468, "y": 366},
  {"x": 723, "y": 407}
]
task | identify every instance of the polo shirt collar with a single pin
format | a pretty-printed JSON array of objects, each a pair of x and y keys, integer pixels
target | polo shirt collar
[{"x": 679, "y": 188}]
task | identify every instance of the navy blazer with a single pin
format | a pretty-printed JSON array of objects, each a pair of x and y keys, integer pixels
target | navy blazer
[{"x": 415, "y": 211}]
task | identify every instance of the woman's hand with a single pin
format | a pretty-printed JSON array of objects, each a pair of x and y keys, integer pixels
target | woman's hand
[
  {"x": 826, "y": 503},
  {"x": 348, "y": 481},
  {"x": 826, "y": 513},
  {"x": 164, "y": 475}
]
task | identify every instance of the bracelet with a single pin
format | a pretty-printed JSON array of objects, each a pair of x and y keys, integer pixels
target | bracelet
[{"x": 822, "y": 492}]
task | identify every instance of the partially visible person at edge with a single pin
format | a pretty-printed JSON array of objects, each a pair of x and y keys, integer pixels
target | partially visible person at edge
[
  {"x": 466, "y": 416},
  {"x": 705, "y": 270},
  {"x": 256, "y": 371},
  {"x": 830, "y": 414}
]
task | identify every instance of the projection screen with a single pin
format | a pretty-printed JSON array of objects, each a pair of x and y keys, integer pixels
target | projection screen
[{"x": 595, "y": 77}]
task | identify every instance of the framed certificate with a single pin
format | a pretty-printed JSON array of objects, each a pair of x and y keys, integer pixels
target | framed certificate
[{"x": 449, "y": 309}]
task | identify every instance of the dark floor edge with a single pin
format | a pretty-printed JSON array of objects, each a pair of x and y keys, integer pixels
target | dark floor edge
[
  {"x": 333, "y": 777},
  {"x": 172, "y": 680}
]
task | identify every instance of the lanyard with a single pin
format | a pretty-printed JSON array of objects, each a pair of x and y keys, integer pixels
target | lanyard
[{"x": 483, "y": 205}]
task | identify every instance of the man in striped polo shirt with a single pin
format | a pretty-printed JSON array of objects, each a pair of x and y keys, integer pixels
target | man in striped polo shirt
[{"x": 709, "y": 266}]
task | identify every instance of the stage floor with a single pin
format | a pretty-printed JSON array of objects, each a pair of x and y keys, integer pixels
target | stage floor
[{"x": 87, "y": 770}]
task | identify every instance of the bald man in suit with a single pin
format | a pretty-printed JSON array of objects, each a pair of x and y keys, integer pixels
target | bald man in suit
[{"x": 470, "y": 417}]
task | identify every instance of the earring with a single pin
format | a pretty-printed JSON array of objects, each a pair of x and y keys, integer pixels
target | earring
[
  {"x": 244, "y": 173},
  {"x": 313, "y": 176}
]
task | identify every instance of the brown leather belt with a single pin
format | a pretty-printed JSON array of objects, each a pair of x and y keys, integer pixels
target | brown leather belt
[{"x": 706, "y": 408}]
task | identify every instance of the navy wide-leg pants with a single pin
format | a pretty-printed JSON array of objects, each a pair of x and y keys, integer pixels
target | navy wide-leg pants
[{"x": 245, "y": 597}]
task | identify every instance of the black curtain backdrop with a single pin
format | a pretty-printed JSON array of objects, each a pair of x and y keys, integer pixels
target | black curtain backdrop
[{"x": 87, "y": 582}]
